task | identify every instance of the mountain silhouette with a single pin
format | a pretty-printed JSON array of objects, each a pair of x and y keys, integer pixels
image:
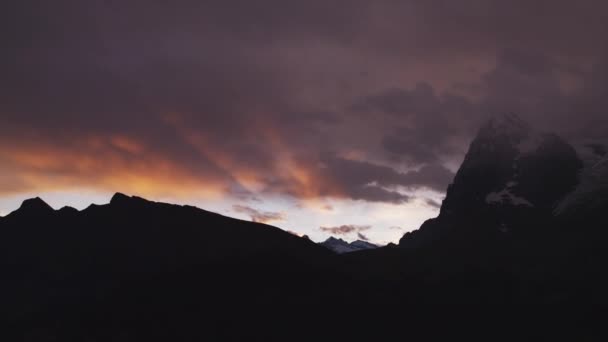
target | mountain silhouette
[
  {"x": 33, "y": 208},
  {"x": 516, "y": 252},
  {"x": 135, "y": 262}
]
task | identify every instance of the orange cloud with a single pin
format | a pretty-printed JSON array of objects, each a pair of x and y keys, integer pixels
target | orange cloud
[
  {"x": 196, "y": 165},
  {"x": 296, "y": 176},
  {"x": 115, "y": 164},
  {"x": 301, "y": 176}
]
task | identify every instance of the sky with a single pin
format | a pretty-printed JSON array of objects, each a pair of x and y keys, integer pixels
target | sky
[{"x": 344, "y": 118}]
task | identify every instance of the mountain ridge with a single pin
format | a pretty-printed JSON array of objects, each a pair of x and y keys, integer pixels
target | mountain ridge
[{"x": 489, "y": 266}]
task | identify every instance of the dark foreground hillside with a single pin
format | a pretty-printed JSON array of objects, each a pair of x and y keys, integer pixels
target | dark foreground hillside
[{"x": 518, "y": 252}]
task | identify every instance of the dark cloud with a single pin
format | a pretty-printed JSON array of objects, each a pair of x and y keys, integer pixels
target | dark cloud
[
  {"x": 259, "y": 216},
  {"x": 531, "y": 83},
  {"x": 421, "y": 100},
  {"x": 345, "y": 229},
  {"x": 361, "y": 236},
  {"x": 404, "y": 146},
  {"x": 426, "y": 122},
  {"x": 372, "y": 182},
  {"x": 598, "y": 149},
  {"x": 432, "y": 203},
  {"x": 245, "y": 97}
]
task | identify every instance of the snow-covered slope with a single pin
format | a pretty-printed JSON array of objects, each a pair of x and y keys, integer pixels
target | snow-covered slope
[{"x": 340, "y": 246}]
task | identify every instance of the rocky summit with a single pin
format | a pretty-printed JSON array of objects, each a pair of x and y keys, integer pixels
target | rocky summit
[{"x": 511, "y": 180}]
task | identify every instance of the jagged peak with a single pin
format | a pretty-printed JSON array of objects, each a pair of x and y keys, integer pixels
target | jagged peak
[
  {"x": 118, "y": 198},
  {"x": 333, "y": 239},
  {"x": 511, "y": 132},
  {"x": 35, "y": 203}
]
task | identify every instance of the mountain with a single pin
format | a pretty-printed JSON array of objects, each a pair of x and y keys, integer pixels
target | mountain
[
  {"x": 340, "y": 246},
  {"x": 187, "y": 234},
  {"x": 139, "y": 270},
  {"x": 510, "y": 183},
  {"x": 521, "y": 234},
  {"x": 517, "y": 252}
]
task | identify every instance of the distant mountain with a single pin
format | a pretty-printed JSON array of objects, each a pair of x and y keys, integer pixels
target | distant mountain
[{"x": 340, "y": 246}]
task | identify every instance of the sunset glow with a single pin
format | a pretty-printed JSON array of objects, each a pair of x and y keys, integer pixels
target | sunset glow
[{"x": 360, "y": 118}]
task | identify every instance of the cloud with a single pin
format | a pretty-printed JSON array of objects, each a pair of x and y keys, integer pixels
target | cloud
[
  {"x": 242, "y": 98},
  {"x": 426, "y": 124},
  {"x": 345, "y": 229},
  {"x": 598, "y": 149},
  {"x": 372, "y": 182},
  {"x": 259, "y": 216},
  {"x": 360, "y": 236},
  {"x": 432, "y": 203}
]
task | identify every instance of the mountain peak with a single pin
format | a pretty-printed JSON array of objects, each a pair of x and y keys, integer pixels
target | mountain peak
[
  {"x": 119, "y": 198},
  {"x": 510, "y": 174},
  {"x": 35, "y": 206},
  {"x": 333, "y": 239}
]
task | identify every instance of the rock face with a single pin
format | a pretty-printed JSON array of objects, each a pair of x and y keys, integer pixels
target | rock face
[{"x": 510, "y": 181}]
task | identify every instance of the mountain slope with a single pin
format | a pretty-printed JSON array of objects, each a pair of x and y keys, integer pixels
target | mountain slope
[
  {"x": 151, "y": 271},
  {"x": 185, "y": 232}
]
